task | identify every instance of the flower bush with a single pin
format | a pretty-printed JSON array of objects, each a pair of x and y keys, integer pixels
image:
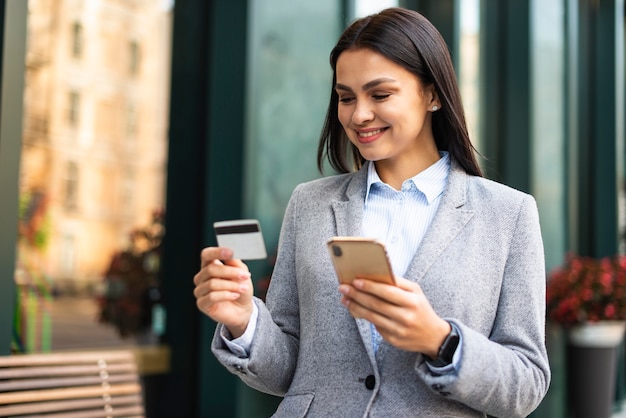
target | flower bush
[{"x": 587, "y": 289}]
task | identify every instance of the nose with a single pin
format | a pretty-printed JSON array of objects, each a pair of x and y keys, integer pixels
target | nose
[{"x": 362, "y": 113}]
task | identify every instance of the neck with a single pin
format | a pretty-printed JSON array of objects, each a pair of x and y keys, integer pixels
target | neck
[{"x": 395, "y": 174}]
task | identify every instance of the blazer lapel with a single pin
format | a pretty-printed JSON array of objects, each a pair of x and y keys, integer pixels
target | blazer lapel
[
  {"x": 349, "y": 218},
  {"x": 348, "y": 209},
  {"x": 450, "y": 219}
]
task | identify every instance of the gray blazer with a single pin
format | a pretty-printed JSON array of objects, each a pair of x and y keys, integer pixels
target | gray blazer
[{"x": 481, "y": 265}]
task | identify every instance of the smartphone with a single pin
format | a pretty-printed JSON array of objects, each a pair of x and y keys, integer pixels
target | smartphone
[
  {"x": 243, "y": 236},
  {"x": 360, "y": 257}
]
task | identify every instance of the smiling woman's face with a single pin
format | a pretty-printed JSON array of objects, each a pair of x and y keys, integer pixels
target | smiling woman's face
[{"x": 384, "y": 109}]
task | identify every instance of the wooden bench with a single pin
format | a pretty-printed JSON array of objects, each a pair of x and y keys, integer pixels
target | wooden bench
[{"x": 71, "y": 385}]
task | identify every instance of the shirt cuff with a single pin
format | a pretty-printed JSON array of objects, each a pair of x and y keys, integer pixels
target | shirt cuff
[
  {"x": 241, "y": 346},
  {"x": 456, "y": 358}
]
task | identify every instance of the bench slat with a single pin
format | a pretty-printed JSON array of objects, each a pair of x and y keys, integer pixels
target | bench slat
[
  {"x": 64, "y": 358},
  {"x": 25, "y": 384},
  {"x": 68, "y": 393},
  {"x": 68, "y": 370},
  {"x": 130, "y": 413},
  {"x": 124, "y": 412},
  {"x": 72, "y": 405}
]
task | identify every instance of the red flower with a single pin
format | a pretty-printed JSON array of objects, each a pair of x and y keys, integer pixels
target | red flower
[{"x": 587, "y": 289}]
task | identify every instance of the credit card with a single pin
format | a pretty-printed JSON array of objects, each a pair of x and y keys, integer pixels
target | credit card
[{"x": 243, "y": 236}]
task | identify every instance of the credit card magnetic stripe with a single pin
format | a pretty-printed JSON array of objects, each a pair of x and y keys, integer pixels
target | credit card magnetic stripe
[{"x": 237, "y": 229}]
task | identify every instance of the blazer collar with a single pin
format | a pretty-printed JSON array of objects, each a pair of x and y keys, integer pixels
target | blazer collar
[
  {"x": 348, "y": 208},
  {"x": 451, "y": 217}
]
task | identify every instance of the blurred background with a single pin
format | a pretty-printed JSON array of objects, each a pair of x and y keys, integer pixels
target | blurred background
[{"x": 127, "y": 127}]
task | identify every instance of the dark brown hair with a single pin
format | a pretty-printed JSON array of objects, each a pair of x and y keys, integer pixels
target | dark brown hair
[{"x": 411, "y": 41}]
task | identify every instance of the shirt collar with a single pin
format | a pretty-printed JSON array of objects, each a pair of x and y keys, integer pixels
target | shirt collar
[{"x": 431, "y": 182}]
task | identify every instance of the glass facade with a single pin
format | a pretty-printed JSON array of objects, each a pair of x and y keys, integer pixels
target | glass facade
[
  {"x": 549, "y": 147},
  {"x": 289, "y": 83}
]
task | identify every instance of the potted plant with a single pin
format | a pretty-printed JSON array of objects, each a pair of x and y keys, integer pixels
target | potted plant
[{"x": 587, "y": 296}]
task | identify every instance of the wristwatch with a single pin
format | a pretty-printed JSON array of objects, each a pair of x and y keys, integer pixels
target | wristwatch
[{"x": 447, "y": 349}]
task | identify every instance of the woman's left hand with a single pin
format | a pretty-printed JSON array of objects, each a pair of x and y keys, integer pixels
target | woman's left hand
[{"x": 401, "y": 314}]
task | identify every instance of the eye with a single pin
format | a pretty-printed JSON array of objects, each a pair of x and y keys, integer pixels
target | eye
[
  {"x": 381, "y": 96},
  {"x": 346, "y": 99}
]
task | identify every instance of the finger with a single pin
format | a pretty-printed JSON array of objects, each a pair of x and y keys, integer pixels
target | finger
[
  {"x": 209, "y": 301},
  {"x": 393, "y": 294},
  {"x": 205, "y": 273},
  {"x": 217, "y": 270},
  {"x": 405, "y": 284},
  {"x": 208, "y": 254},
  {"x": 225, "y": 271},
  {"x": 360, "y": 311},
  {"x": 365, "y": 299},
  {"x": 235, "y": 262},
  {"x": 219, "y": 285}
]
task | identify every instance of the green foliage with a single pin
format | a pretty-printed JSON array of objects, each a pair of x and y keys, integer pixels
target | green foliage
[{"x": 34, "y": 220}]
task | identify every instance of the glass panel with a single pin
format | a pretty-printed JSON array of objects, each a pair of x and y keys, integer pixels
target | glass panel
[
  {"x": 92, "y": 178},
  {"x": 469, "y": 65},
  {"x": 548, "y": 115},
  {"x": 289, "y": 86},
  {"x": 367, "y": 7},
  {"x": 621, "y": 126}
]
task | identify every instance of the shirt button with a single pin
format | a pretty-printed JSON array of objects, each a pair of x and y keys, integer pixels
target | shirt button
[{"x": 370, "y": 382}]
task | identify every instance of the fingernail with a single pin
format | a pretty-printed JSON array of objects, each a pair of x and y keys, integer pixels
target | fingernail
[
  {"x": 344, "y": 290},
  {"x": 358, "y": 283},
  {"x": 242, "y": 288},
  {"x": 244, "y": 275},
  {"x": 226, "y": 253}
]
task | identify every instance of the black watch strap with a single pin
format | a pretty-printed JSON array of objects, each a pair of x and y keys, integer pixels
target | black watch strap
[{"x": 447, "y": 349}]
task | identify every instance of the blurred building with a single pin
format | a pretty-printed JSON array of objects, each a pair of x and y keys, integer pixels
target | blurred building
[{"x": 96, "y": 100}]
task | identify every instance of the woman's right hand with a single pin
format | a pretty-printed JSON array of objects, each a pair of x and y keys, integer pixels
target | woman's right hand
[{"x": 224, "y": 289}]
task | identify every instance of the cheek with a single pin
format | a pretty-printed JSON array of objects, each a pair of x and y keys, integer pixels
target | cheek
[{"x": 344, "y": 115}]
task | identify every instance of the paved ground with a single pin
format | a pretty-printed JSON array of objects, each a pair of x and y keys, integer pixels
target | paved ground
[{"x": 75, "y": 325}]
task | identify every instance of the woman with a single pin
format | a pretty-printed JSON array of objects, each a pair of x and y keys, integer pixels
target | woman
[{"x": 462, "y": 332}]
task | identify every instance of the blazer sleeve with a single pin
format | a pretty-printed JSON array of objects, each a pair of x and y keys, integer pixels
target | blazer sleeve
[
  {"x": 271, "y": 363},
  {"x": 507, "y": 373}
]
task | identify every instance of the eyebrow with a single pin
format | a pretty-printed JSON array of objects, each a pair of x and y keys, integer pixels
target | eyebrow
[{"x": 367, "y": 86}]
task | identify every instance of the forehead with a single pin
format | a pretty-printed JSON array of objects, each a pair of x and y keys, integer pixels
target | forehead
[{"x": 359, "y": 66}]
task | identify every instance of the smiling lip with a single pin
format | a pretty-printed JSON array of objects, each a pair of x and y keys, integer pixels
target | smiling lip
[{"x": 366, "y": 137}]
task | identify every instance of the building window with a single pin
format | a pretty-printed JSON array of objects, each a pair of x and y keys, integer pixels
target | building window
[
  {"x": 77, "y": 40},
  {"x": 71, "y": 186},
  {"x": 128, "y": 192},
  {"x": 74, "y": 108},
  {"x": 68, "y": 255},
  {"x": 134, "y": 52},
  {"x": 131, "y": 120}
]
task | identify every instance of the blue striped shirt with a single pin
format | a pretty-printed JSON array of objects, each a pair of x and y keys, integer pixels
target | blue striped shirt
[{"x": 400, "y": 218}]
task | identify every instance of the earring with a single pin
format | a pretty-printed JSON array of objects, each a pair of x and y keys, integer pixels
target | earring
[{"x": 435, "y": 108}]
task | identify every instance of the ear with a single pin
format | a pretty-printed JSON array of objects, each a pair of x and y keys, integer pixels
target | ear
[{"x": 434, "y": 103}]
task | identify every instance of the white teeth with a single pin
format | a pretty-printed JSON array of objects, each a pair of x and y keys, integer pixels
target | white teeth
[{"x": 368, "y": 134}]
